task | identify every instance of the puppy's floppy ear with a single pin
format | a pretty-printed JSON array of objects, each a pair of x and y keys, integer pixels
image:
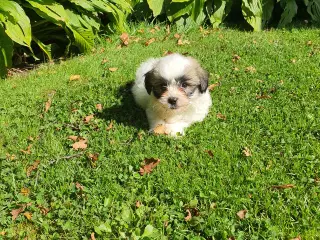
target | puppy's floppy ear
[
  {"x": 148, "y": 81},
  {"x": 204, "y": 79}
]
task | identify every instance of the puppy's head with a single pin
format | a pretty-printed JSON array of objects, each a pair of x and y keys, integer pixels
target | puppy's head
[{"x": 175, "y": 80}]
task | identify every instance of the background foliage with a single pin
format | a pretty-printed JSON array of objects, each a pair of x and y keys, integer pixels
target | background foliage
[{"x": 46, "y": 29}]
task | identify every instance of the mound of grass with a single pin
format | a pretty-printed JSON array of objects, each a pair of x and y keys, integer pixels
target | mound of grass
[{"x": 250, "y": 170}]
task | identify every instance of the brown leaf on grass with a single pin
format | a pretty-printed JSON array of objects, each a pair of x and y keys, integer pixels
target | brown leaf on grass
[
  {"x": 47, "y": 105},
  {"x": 43, "y": 210},
  {"x": 168, "y": 31},
  {"x": 15, "y": 212},
  {"x": 135, "y": 39},
  {"x": 74, "y": 77},
  {"x": 99, "y": 106},
  {"x": 167, "y": 53},
  {"x": 73, "y": 138},
  {"x": 109, "y": 40},
  {"x": 28, "y": 150},
  {"x": 110, "y": 126},
  {"x": 10, "y": 156},
  {"x": 209, "y": 152},
  {"x": 140, "y": 31},
  {"x": 113, "y": 69},
  {"x": 231, "y": 238},
  {"x": 285, "y": 186},
  {"x": 148, "y": 165},
  {"x": 2, "y": 233},
  {"x": 25, "y": 191},
  {"x": 221, "y": 116},
  {"x": 263, "y": 96},
  {"x": 235, "y": 58},
  {"x": 250, "y": 69},
  {"x": 188, "y": 217},
  {"x": 181, "y": 42},
  {"x": 92, "y": 236},
  {"x": 93, "y": 156},
  {"x": 124, "y": 39},
  {"x": 160, "y": 129},
  {"x": 79, "y": 186},
  {"x": 104, "y": 61},
  {"x": 28, "y": 215},
  {"x": 213, "y": 86},
  {"x": 296, "y": 238},
  {"x": 87, "y": 119},
  {"x": 309, "y": 43},
  {"x": 82, "y": 144},
  {"x": 33, "y": 167},
  {"x": 151, "y": 40},
  {"x": 177, "y": 36},
  {"x": 246, "y": 152},
  {"x": 242, "y": 214},
  {"x": 157, "y": 28},
  {"x": 138, "y": 204}
]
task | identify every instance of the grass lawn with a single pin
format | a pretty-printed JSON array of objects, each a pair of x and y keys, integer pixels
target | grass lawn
[{"x": 250, "y": 170}]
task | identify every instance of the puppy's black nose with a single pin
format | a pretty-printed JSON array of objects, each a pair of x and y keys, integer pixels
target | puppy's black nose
[{"x": 172, "y": 100}]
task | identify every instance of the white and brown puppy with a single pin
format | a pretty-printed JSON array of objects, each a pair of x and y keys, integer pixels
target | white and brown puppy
[{"x": 173, "y": 91}]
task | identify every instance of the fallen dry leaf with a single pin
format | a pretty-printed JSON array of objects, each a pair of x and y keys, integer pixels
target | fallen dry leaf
[
  {"x": 213, "y": 86},
  {"x": 246, "y": 152},
  {"x": 110, "y": 126},
  {"x": 82, "y": 144},
  {"x": 296, "y": 238},
  {"x": 293, "y": 60},
  {"x": 10, "y": 156},
  {"x": 188, "y": 217},
  {"x": 149, "y": 165},
  {"x": 140, "y": 31},
  {"x": 104, "y": 61},
  {"x": 28, "y": 150},
  {"x": 263, "y": 96},
  {"x": 157, "y": 28},
  {"x": 285, "y": 186},
  {"x": 79, "y": 186},
  {"x": 28, "y": 215},
  {"x": 47, "y": 105},
  {"x": 213, "y": 205},
  {"x": 113, "y": 69},
  {"x": 151, "y": 40},
  {"x": 2, "y": 233},
  {"x": 73, "y": 138},
  {"x": 235, "y": 69},
  {"x": 182, "y": 42},
  {"x": 15, "y": 212},
  {"x": 167, "y": 53},
  {"x": 109, "y": 40},
  {"x": 235, "y": 58},
  {"x": 232, "y": 238},
  {"x": 124, "y": 38},
  {"x": 177, "y": 35},
  {"x": 209, "y": 152},
  {"x": 160, "y": 129},
  {"x": 99, "y": 106},
  {"x": 33, "y": 167},
  {"x": 92, "y": 236},
  {"x": 250, "y": 69},
  {"x": 221, "y": 116},
  {"x": 25, "y": 191},
  {"x": 87, "y": 119},
  {"x": 93, "y": 157},
  {"x": 309, "y": 43},
  {"x": 44, "y": 210},
  {"x": 135, "y": 39},
  {"x": 138, "y": 204},
  {"x": 74, "y": 77},
  {"x": 242, "y": 214}
]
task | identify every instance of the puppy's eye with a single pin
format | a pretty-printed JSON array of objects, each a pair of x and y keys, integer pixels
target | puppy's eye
[
  {"x": 184, "y": 85},
  {"x": 163, "y": 87}
]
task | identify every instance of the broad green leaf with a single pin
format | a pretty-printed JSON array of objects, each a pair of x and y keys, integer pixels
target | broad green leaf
[
  {"x": 155, "y": 6},
  {"x": 267, "y": 9},
  {"x": 104, "y": 227},
  {"x": 126, "y": 214},
  {"x": 289, "y": 11},
  {"x": 6, "y": 51},
  {"x": 45, "y": 48},
  {"x": 197, "y": 12},
  {"x": 314, "y": 10},
  {"x": 176, "y": 10},
  {"x": 17, "y": 24},
  {"x": 252, "y": 13},
  {"x": 148, "y": 230},
  {"x": 218, "y": 10},
  {"x": 84, "y": 4},
  {"x": 180, "y": 1}
]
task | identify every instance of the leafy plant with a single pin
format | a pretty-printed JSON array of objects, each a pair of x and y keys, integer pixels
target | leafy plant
[{"x": 55, "y": 27}]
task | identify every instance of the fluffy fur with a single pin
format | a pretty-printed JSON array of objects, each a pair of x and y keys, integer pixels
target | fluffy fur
[{"x": 173, "y": 91}]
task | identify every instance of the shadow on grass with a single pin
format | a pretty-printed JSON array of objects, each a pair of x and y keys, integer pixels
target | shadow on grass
[{"x": 127, "y": 113}]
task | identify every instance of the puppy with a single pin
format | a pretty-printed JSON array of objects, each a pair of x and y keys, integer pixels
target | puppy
[{"x": 173, "y": 91}]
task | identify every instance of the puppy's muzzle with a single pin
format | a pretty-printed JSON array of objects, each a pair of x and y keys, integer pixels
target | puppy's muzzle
[{"x": 172, "y": 102}]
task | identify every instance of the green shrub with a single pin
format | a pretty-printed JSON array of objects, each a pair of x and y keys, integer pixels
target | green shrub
[{"x": 56, "y": 26}]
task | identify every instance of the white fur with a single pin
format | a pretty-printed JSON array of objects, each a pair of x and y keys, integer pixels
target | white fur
[{"x": 174, "y": 120}]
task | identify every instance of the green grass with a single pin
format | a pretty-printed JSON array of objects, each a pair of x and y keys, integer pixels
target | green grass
[{"x": 282, "y": 132}]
